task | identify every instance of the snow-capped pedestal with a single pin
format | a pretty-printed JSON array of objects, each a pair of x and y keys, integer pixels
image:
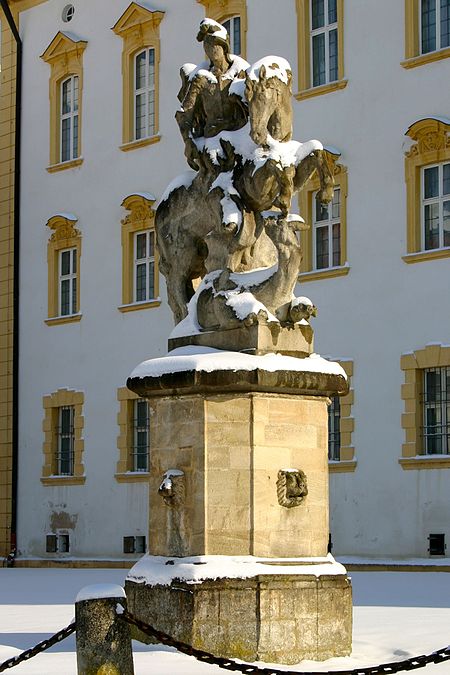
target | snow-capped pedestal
[{"x": 238, "y": 545}]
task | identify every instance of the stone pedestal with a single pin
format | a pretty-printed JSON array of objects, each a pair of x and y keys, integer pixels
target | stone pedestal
[{"x": 239, "y": 467}]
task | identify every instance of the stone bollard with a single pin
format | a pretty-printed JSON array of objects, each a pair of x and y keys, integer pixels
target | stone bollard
[{"x": 103, "y": 639}]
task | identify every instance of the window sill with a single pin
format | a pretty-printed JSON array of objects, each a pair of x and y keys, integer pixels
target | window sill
[
  {"x": 62, "y": 166},
  {"x": 141, "y": 143},
  {"x": 342, "y": 467},
  {"x": 57, "y": 320},
  {"x": 132, "y": 477},
  {"x": 422, "y": 59},
  {"x": 327, "y": 273},
  {"x": 422, "y": 256},
  {"x": 425, "y": 462},
  {"x": 322, "y": 89},
  {"x": 134, "y": 306},
  {"x": 63, "y": 480}
]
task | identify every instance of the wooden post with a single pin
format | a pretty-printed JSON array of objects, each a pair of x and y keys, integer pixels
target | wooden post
[{"x": 103, "y": 638}]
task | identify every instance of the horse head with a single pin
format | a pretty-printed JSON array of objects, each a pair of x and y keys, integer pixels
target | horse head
[{"x": 269, "y": 103}]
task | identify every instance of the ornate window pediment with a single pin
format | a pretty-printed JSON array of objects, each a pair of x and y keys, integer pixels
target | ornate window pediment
[
  {"x": 63, "y": 226},
  {"x": 429, "y": 154},
  {"x": 140, "y": 276},
  {"x": 65, "y": 58},
  {"x": 139, "y": 29}
]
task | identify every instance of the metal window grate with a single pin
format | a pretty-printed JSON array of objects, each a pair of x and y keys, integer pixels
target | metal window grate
[
  {"x": 65, "y": 455},
  {"x": 334, "y": 429},
  {"x": 141, "y": 436},
  {"x": 436, "y": 544},
  {"x": 436, "y": 411}
]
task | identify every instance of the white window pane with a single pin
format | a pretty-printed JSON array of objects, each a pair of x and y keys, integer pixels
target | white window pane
[
  {"x": 65, "y": 297},
  {"x": 446, "y": 179},
  {"x": 445, "y": 23},
  {"x": 317, "y": 13},
  {"x": 141, "y": 282},
  {"x": 74, "y": 296},
  {"x": 332, "y": 11},
  {"x": 65, "y": 262},
  {"x": 336, "y": 204},
  {"x": 140, "y": 116},
  {"x": 151, "y": 280},
  {"x": 319, "y": 72},
  {"x": 333, "y": 55},
  {"x": 322, "y": 211},
  {"x": 322, "y": 259},
  {"x": 446, "y": 223},
  {"x": 65, "y": 140},
  {"x": 75, "y": 137},
  {"x": 431, "y": 226},
  {"x": 431, "y": 182},
  {"x": 141, "y": 63},
  {"x": 141, "y": 246},
  {"x": 75, "y": 94},
  {"x": 336, "y": 244},
  {"x": 428, "y": 16},
  {"x": 67, "y": 97}
]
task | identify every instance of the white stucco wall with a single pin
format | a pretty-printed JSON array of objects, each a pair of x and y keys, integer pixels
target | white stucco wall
[{"x": 380, "y": 310}]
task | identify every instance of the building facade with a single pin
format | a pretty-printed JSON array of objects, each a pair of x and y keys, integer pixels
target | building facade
[{"x": 99, "y": 146}]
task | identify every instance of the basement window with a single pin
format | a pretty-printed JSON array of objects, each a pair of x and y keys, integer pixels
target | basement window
[
  {"x": 134, "y": 544},
  {"x": 436, "y": 544},
  {"x": 57, "y": 543}
]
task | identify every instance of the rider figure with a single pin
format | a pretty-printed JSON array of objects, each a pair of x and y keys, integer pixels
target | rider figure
[{"x": 207, "y": 106}]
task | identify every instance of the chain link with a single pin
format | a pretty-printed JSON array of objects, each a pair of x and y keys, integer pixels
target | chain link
[
  {"x": 228, "y": 664},
  {"x": 40, "y": 647}
]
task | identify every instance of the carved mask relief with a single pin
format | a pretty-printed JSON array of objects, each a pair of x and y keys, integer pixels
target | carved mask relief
[{"x": 292, "y": 487}]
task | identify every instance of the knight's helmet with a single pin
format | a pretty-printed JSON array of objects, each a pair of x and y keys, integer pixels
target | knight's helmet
[{"x": 215, "y": 32}]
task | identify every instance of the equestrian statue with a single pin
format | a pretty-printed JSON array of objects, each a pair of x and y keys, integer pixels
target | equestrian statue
[{"x": 228, "y": 243}]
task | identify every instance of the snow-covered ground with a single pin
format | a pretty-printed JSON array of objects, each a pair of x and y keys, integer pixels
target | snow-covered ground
[{"x": 396, "y": 615}]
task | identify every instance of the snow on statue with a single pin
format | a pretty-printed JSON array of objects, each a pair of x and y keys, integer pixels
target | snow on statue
[{"x": 227, "y": 222}]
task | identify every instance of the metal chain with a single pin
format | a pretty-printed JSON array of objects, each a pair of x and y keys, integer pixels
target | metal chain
[
  {"x": 228, "y": 664},
  {"x": 40, "y": 647}
]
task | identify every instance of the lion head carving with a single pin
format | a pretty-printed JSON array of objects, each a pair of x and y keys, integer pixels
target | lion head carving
[{"x": 292, "y": 487}]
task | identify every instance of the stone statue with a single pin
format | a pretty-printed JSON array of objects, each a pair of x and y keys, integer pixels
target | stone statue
[{"x": 228, "y": 244}]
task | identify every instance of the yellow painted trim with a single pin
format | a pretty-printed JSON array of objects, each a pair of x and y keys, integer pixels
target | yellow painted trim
[
  {"x": 51, "y": 404},
  {"x": 307, "y": 272},
  {"x": 412, "y": 364},
  {"x": 221, "y": 10},
  {"x": 65, "y": 58},
  {"x": 124, "y": 473},
  {"x": 413, "y": 57},
  {"x": 141, "y": 217},
  {"x": 23, "y": 5},
  {"x": 342, "y": 467},
  {"x": 432, "y": 146},
  {"x": 416, "y": 464},
  {"x": 423, "y": 256},
  {"x": 303, "y": 47},
  {"x": 58, "y": 320},
  {"x": 141, "y": 143},
  {"x": 322, "y": 89},
  {"x": 65, "y": 236},
  {"x": 63, "y": 480},
  {"x": 324, "y": 274},
  {"x": 139, "y": 29},
  {"x": 135, "y": 306},
  {"x": 423, "y": 59},
  {"x": 62, "y": 166},
  {"x": 132, "y": 477}
]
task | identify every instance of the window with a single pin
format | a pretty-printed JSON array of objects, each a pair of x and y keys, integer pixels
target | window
[
  {"x": 334, "y": 430},
  {"x": 140, "y": 276},
  {"x": 436, "y": 411},
  {"x": 141, "y": 433},
  {"x": 68, "y": 282},
  {"x": 134, "y": 437},
  {"x": 63, "y": 438},
  {"x": 63, "y": 255},
  {"x": 65, "y": 57},
  {"x": 320, "y": 46},
  {"x": 327, "y": 232},
  {"x": 427, "y": 174},
  {"x": 139, "y": 29},
  {"x": 341, "y": 425},
  {"x": 135, "y": 544},
  {"x": 69, "y": 119},
  {"x": 65, "y": 441},
  {"x": 325, "y": 243},
  {"x": 232, "y": 14},
  {"x": 233, "y": 28},
  {"x": 144, "y": 94},
  {"x": 427, "y": 31},
  {"x": 436, "y": 544},
  {"x": 144, "y": 266},
  {"x": 57, "y": 543},
  {"x": 436, "y": 206},
  {"x": 426, "y": 417}
]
